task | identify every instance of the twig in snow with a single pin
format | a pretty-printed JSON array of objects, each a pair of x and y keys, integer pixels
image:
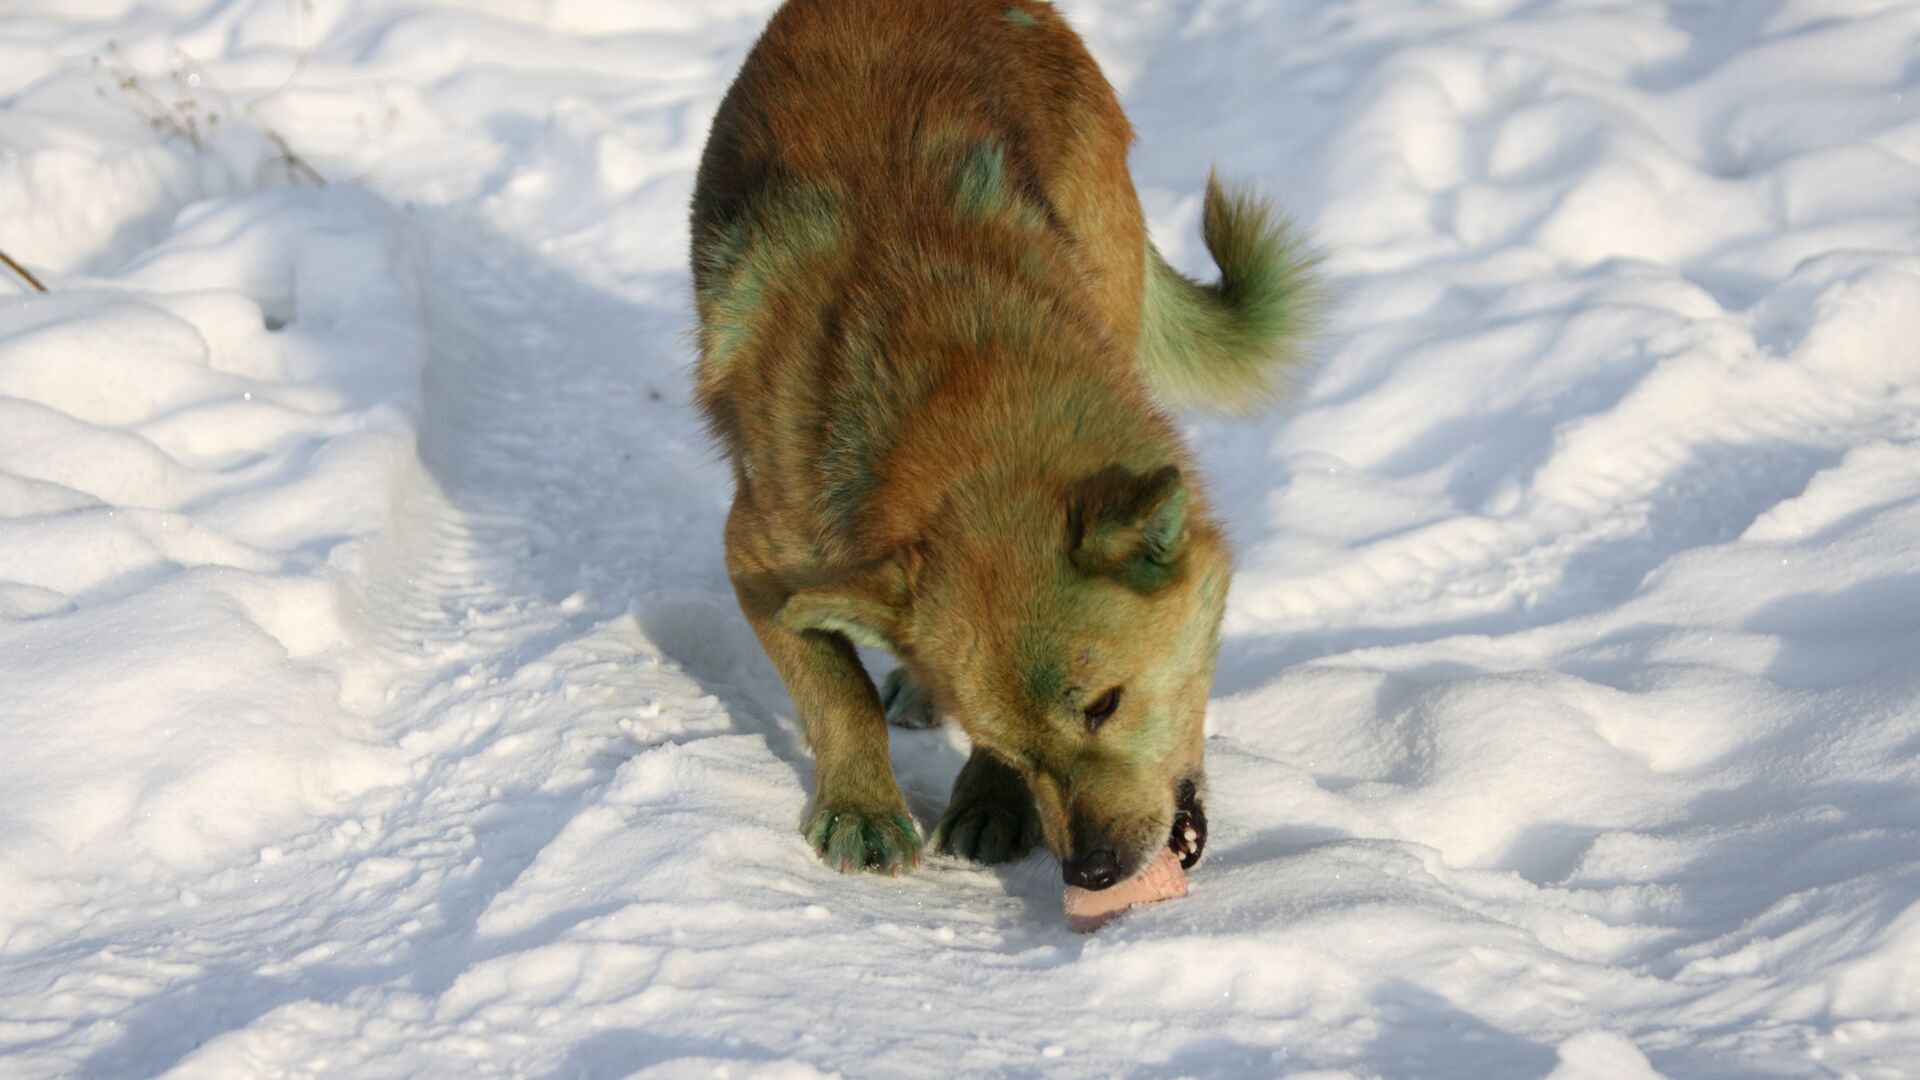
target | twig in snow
[
  {"x": 293, "y": 161},
  {"x": 184, "y": 118},
  {"x": 22, "y": 271}
]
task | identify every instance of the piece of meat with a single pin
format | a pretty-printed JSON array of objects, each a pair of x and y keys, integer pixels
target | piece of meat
[{"x": 1161, "y": 880}]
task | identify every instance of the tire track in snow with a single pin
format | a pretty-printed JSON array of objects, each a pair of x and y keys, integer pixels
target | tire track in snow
[
  {"x": 500, "y": 612},
  {"x": 529, "y": 548}
]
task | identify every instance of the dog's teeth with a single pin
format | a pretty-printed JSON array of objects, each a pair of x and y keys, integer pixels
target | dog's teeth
[{"x": 1192, "y": 836}]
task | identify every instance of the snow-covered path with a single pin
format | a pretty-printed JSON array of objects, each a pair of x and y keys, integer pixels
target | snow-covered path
[{"x": 373, "y": 702}]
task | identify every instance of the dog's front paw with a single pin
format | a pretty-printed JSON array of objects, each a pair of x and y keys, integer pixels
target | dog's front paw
[
  {"x": 1188, "y": 840},
  {"x": 906, "y": 704},
  {"x": 851, "y": 839},
  {"x": 988, "y": 831}
]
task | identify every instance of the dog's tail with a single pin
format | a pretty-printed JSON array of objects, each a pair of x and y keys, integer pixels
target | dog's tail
[{"x": 1235, "y": 346}]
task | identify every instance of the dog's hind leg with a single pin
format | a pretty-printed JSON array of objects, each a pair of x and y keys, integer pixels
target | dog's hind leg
[
  {"x": 991, "y": 817},
  {"x": 906, "y": 704}
]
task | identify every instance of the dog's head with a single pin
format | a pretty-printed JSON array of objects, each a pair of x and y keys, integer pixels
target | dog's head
[{"x": 1074, "y": 638}]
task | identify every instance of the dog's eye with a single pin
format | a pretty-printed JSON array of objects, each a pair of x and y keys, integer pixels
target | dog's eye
[{"x": 1102, "y": 708}]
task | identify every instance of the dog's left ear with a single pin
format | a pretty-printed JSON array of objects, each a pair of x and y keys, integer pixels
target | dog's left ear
[
  {"x": 1129, "y": 525},
  {"x": 870, "y": 605}
]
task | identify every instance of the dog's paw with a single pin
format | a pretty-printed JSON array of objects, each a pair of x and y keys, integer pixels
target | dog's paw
[
  {"x": 988, "y": 831},
  {"x": 851, "y": 840},
  {"x": 907, "y": 705},
  {"x": 1188, "y": 840}
]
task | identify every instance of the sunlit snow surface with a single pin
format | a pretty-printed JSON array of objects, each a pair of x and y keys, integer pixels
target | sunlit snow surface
[{"x": 373, "y": 702}]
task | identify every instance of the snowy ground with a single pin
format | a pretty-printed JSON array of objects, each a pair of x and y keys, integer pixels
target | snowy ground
[{"x": 372, "y": 701}]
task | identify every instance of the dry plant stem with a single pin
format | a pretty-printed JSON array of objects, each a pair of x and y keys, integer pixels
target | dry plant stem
[
  {"x": 294, "y": 162},
  {"x": 179, "y": 118},
  {"x": 22, "y": 271},
  {"x": 184, "y": 119}
]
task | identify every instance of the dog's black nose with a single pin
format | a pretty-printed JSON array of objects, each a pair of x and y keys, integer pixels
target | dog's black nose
[{"x": 1095, "y": 870}]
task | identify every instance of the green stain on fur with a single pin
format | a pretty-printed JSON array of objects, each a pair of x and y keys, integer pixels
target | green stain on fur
[
  {"x": 862, "y": 621},
  {"x": 1045, "y": 682},
  {"x": 982, "y": 181},
  {"x": 765, "y": 249},
  {"x": 848, "y": 456},
  {"x": 1149, "y": 741},
  {"x": 722, "y": 253},
  {"x": 985, "y": 187},
  {"x": 1020, "y": 18},
  {"x": 854, "y": 630},
  {"x": 846, "y": 463},
  {"x": 1145, "y": 575},
  {"x": 1233, "y": 346}
]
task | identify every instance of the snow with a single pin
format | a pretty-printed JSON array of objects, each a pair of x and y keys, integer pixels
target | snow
[{"x": 375, "y": 702}]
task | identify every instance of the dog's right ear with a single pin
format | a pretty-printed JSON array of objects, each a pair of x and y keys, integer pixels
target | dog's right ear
[
  {"x": 870, "y": 605},
  {"x": 1128, "y": 525}
]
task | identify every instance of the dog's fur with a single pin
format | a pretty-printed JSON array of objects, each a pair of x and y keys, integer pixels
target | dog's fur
[{"x": 933, "y": 336}]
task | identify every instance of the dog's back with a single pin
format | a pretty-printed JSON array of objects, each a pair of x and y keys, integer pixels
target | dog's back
[
  {"x": 861, "y": 99},
  {"x": 872, "y": 174}
]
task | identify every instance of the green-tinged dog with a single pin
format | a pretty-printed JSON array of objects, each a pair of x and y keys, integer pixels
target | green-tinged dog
[{"x": 933, "y": 340}]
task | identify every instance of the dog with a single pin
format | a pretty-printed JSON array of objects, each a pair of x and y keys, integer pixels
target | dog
[{"x": 937, "y": 346}]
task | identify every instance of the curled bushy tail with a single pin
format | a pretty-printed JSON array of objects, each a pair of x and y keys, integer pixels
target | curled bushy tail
[{"x": 1234, "y": 346}]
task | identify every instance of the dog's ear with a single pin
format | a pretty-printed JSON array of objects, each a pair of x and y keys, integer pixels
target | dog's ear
[
  {"x": 1129, "y": 525},
  {"x": 870, "y": 605}
]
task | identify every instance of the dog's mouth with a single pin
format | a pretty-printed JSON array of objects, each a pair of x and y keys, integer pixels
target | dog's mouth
[{"x": 1188, "y": 838}]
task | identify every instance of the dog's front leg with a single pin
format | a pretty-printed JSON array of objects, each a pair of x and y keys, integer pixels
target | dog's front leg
[
  {"x": 859, "y": 819},
  {"x": 991, "y": 816}
]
